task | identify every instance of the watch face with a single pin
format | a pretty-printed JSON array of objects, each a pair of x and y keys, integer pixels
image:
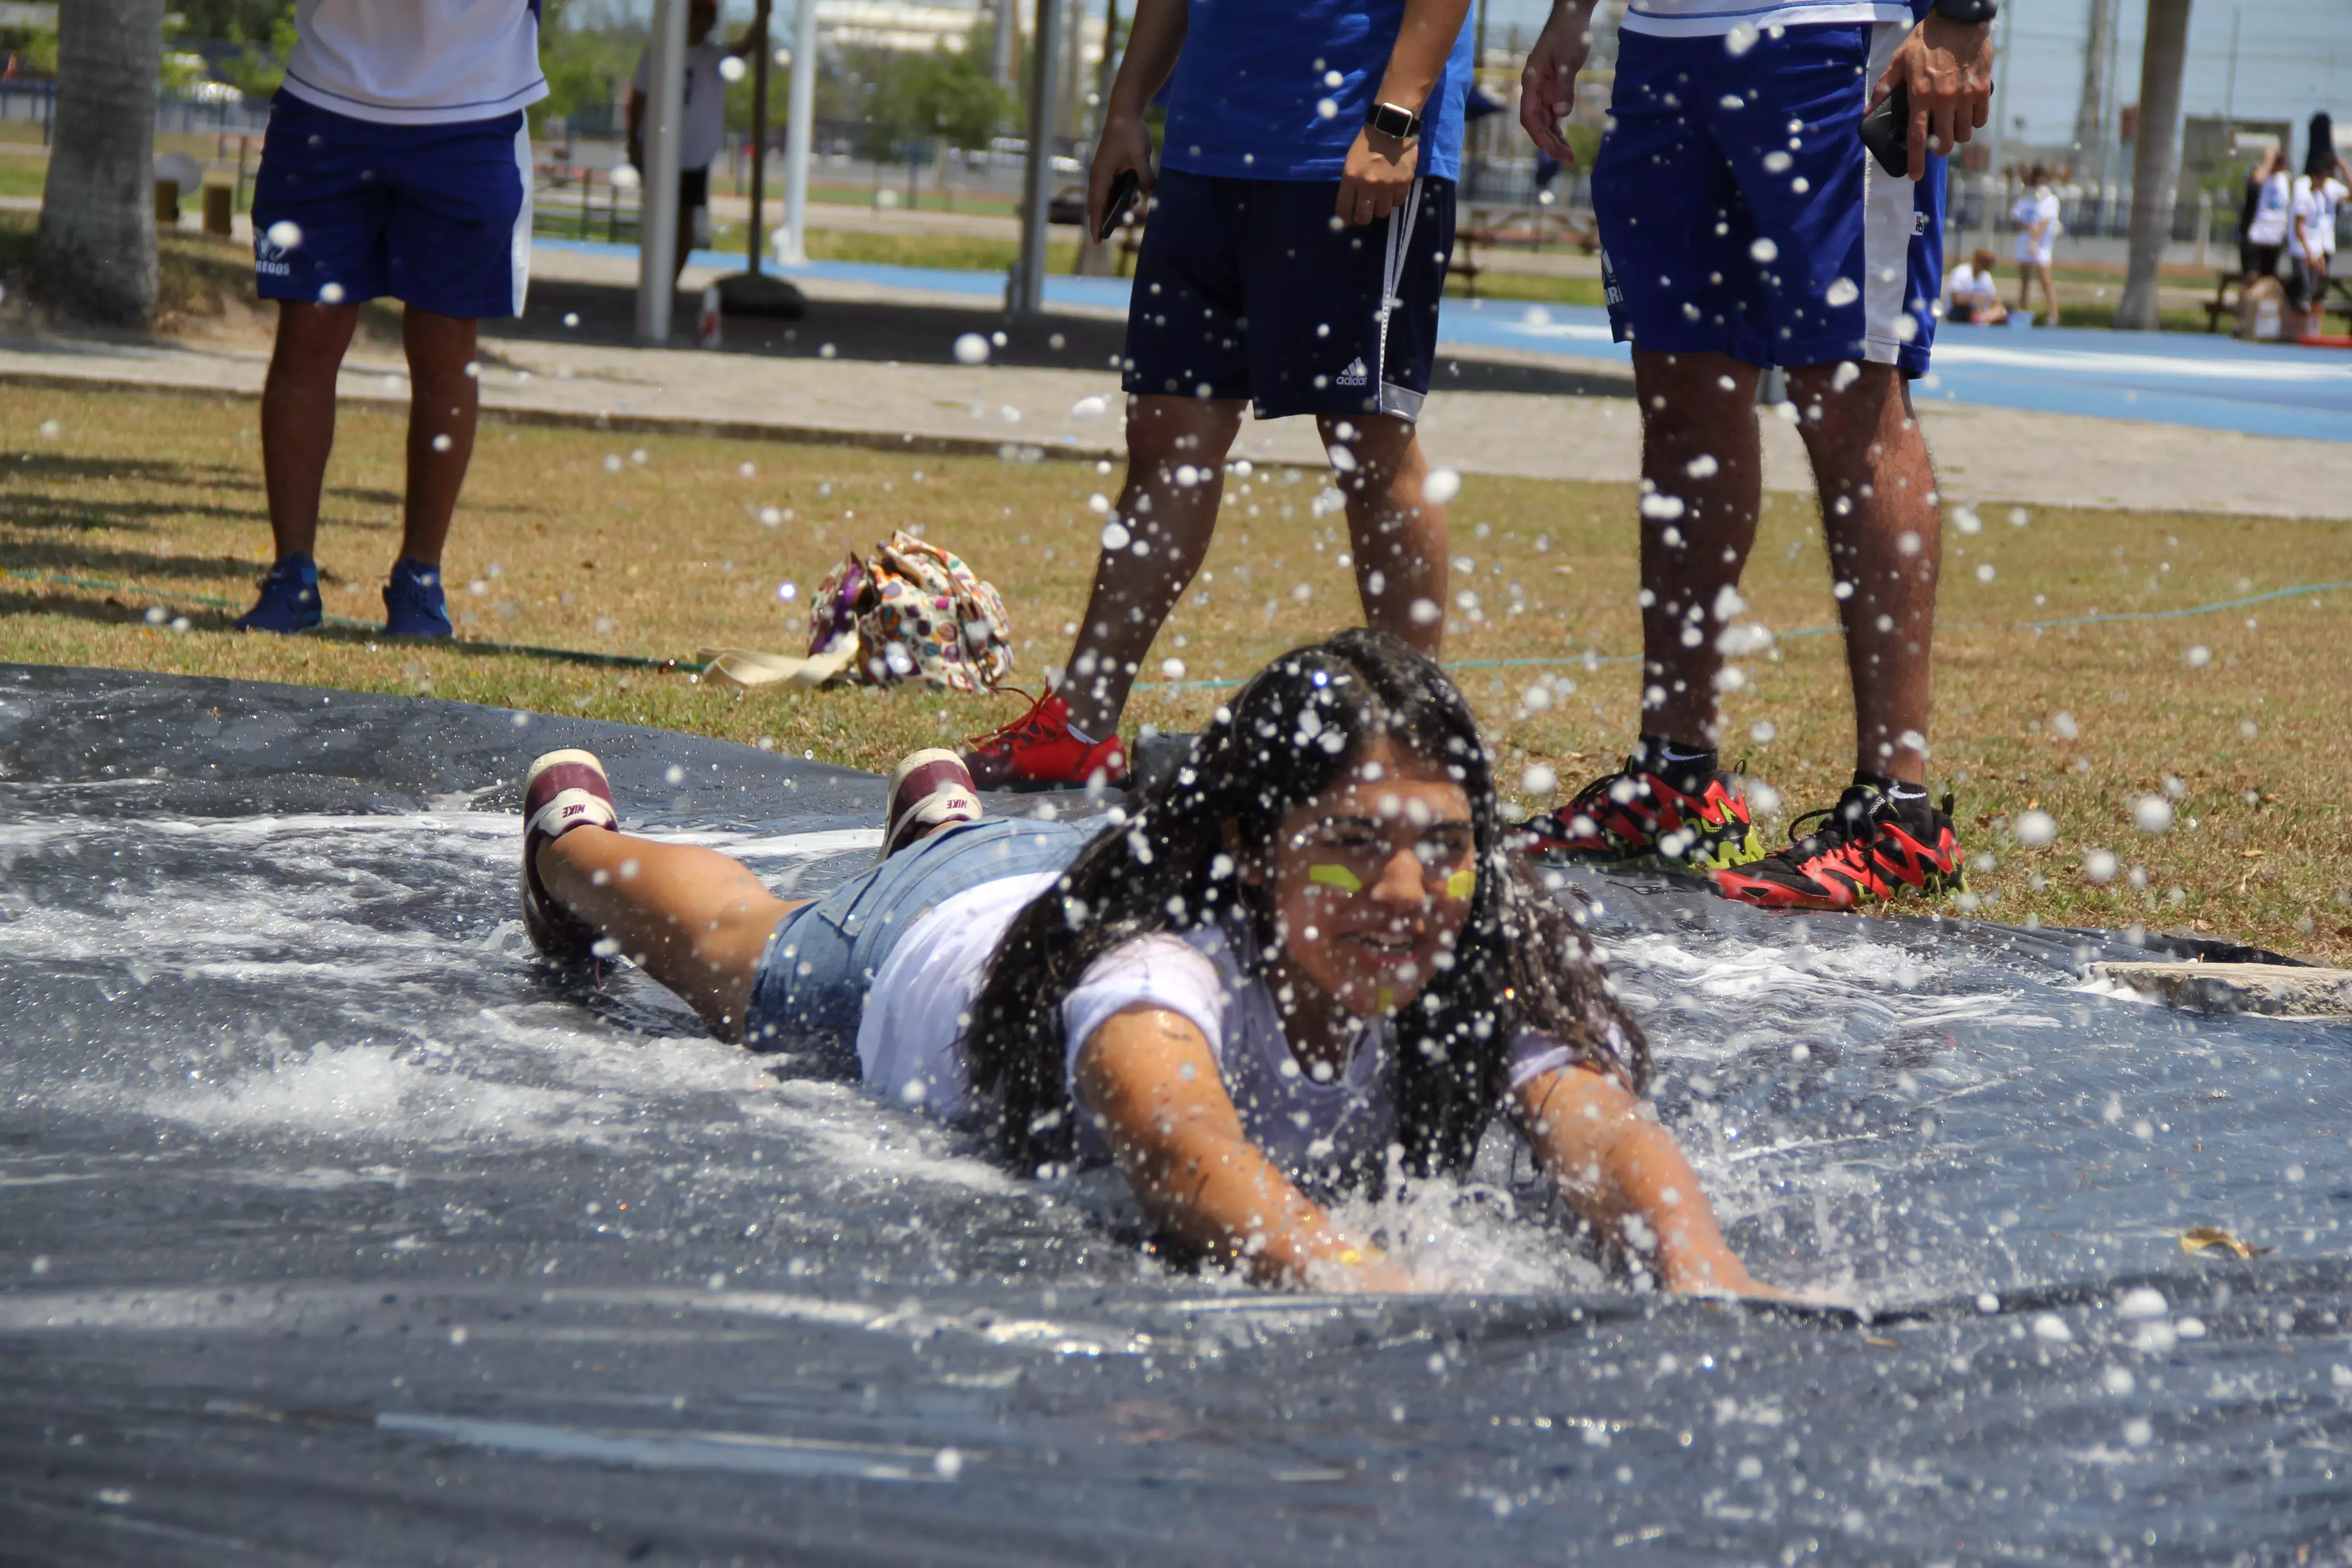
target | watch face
[{"x": 1390, "y": 121}]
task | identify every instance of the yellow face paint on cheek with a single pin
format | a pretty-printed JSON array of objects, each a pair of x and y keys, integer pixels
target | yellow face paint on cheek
[
  {"x": 1462, "y": 884},
  {"x": 1338, "y": 877}
]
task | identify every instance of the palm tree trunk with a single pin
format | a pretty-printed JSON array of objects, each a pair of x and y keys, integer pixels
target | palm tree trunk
[
  {"x": 94, "y": 256},
  {"x": 2156, "y": 163}
]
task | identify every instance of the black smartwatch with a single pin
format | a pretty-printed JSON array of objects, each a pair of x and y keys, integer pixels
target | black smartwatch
[
  {"x": 1393, "y": 120},
  {"x": 1966, "y": 10}
]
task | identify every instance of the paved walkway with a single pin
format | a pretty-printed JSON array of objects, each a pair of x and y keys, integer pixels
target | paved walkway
[{"x": 1985, "y": 453}]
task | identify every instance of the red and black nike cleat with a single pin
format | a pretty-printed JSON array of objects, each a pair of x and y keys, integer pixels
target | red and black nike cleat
[
  {"x": 1635, "y": 816},
  {"x": 1868, "y": 845}
]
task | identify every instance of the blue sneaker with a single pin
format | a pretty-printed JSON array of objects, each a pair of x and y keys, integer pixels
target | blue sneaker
[
  {"x": 413, "y": 603},
  {"x": 289, "y": 598}
]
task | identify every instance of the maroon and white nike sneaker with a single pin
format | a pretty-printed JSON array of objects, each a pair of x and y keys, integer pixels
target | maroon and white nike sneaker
[
  {"x": 564, "y": 790},
  {"x": 929, "y": 790}
]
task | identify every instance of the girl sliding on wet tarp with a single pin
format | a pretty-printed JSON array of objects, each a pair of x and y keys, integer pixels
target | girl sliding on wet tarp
[{"x": 1305, "y": 961}]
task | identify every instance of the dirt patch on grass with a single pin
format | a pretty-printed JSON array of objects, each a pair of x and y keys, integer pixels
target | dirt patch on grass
[{"x": 557, "y": 546}]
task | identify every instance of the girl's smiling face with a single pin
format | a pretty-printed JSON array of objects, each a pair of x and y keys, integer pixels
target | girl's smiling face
[{"x": 1373, "y": 878}]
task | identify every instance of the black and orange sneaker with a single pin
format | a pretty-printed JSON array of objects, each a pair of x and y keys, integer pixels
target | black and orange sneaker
[
  {"x": 1041, "y": 749},
  {"x": 1868, "y": 845},
  {"x": 1637, "y": 817}
]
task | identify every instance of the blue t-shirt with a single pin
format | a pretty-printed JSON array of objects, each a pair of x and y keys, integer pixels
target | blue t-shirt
[{"x": 1245, "y": 100}]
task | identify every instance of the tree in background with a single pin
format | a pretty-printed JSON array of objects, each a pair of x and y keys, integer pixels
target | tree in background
[
  {"x": 2156, "y": 159},
  {"x": 589, "y": 52},
  {"x": 945, "y": 97},
  {"x": 94, "y": 254}
]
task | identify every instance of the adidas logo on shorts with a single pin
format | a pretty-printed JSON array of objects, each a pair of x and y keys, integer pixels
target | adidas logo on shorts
[{"x": 1354, "y": 375}]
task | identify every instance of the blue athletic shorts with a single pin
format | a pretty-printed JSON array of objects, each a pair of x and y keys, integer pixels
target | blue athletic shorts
[
  {"x": 1741, "y": 215},
  {"x": 810, "y": 989},
  {"x": 435, "y": 215},
  {"x": 1245, "y": 290}
]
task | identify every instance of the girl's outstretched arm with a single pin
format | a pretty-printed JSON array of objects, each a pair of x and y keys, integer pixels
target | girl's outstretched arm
[
  {"x": 1620, "y": 1170},
  {"x": 1148, "y": 1073}
]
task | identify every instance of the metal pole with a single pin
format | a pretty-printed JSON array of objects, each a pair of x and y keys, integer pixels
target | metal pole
[
  {"x": 1025, "y": 293},
  {"x": 1001, "y": 45},
  {"x": 755, "y": 241},
  {"x": 2230, "y": 94},
  {"x": 800, "y": 131},
  {"x": 657, "y": 198}
]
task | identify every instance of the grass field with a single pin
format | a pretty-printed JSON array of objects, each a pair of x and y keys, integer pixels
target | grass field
[{"x": 161, "y": 496}]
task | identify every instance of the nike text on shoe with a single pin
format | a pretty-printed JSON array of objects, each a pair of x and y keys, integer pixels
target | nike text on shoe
[
  {"x": 1039, "y": 748},
  {"x": 289, "y": 598},
  {"x": 1868, "y": 845},
  {"x": 565, "y": 790},
  {"x": 1635, "y": 816},
  {"x": 414, "y": 605},
  {"x": 930, "y": 790}
]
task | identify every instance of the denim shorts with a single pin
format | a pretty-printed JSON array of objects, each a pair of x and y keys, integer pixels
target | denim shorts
[{"x": 811, "y": 987}]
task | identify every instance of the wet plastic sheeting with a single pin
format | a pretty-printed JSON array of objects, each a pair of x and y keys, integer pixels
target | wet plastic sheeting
[{"x": 332, "y": 1230}]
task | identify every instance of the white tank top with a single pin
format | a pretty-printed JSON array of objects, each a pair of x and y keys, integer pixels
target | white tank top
[
  {"x": 1714, "y": 18},
  {"x": 417, "y": 62}
]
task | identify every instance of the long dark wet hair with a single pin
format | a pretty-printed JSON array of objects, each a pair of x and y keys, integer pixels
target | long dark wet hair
[{"x": 1518, "y": 963}]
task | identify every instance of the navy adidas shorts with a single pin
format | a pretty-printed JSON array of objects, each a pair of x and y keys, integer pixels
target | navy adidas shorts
[
  {"x": 1741, "y": 215},
  {"x": 435, "y": 215},
  {"x": 1244, "y": 289}
]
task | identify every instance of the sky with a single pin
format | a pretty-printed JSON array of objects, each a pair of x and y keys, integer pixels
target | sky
[{"x": 2293, "y": 57}]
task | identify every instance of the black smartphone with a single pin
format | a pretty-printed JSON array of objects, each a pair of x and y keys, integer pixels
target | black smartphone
[
  {"x": 1123, "y": 192},
  {"x": 1886, "y": 132}
]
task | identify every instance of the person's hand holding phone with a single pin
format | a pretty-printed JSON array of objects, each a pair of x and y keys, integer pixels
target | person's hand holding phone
[
  {"x": 1947, "y": 68},
  {"x": 1122, "y": 162}
]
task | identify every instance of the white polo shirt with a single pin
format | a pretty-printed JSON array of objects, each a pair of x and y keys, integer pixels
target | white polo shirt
[
  {"x": 702, "y": 132},
  {"x": 417, "y": 62},
  {"x": 1715, "y": 18}
]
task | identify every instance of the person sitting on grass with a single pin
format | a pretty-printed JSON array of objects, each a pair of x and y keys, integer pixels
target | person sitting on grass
[
  {"x": 1304, "y": 963},
  {"x": 1976, "y": 293}
]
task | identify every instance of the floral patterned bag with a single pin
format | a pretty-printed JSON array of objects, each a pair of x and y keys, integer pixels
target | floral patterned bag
[{"x": 910, "y": 612}]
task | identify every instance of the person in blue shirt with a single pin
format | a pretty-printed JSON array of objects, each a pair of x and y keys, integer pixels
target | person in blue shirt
[{"x": 1301, "y": 215}]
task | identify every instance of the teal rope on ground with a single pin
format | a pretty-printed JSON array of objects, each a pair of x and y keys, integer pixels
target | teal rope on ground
[{"x": 633, "y": 661}]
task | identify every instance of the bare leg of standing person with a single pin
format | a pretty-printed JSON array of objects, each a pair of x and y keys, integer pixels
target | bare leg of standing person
[
  {"x": 1886, "y": 542},
  {"x": 1168, "y": 509},
  {"x": 1397, "y": 535},
  {"x": 444, "y": 402},
  {"x": 298, "y": 436},
  {"x": 298, "y": 417},
  {"x": 1877, "y": 491}
]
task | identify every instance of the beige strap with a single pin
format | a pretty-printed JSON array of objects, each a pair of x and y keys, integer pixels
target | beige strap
[{"x": 746, "y": 666}]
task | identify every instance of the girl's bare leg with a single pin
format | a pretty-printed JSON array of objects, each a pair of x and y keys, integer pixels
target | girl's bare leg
[{"x": 695, "y": 919}]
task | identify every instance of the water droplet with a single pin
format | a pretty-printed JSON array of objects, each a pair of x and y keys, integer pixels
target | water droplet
[
  {"x": 2035, "y": 829},
  {"x": 286, "y": 234},
  {"x": 2152, "y": 814},
  {"x": 2197, "y": 657},
  {"x": 1442, "y": 486},
  {"x": 971, "y": 349}
]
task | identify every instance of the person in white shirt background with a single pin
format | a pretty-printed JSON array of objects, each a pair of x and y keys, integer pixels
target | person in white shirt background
[
  {"x": 1975, "y": 293},
  {"x": 703, "y": 131},
  {"x": 2036, "y": 217},
  {"x": 2311, "y": 216},
  {"x": 2268, "y": 192}
]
